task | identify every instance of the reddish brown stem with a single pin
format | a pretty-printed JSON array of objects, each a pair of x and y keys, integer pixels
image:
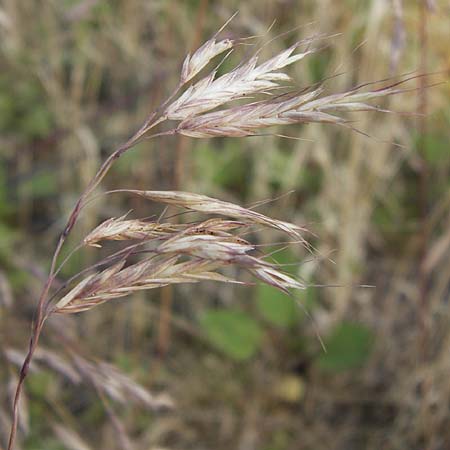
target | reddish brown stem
[{"x": 42, "y": 309}]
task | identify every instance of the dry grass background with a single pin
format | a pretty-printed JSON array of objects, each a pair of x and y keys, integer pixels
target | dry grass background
[{"x": 76, "y": 78}]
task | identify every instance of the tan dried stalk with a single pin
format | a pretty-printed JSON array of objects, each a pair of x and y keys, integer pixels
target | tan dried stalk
[{"x": 195, "y": 252}]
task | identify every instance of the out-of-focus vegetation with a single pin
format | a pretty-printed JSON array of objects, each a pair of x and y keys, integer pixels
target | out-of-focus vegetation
[{"x": 239, "y": 367}]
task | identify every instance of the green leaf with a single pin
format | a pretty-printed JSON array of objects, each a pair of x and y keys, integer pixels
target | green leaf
[
  {"x": 233, "y": 332},
  {"x": 347, "y": 347},
  {"x": 276, "y": 307}
]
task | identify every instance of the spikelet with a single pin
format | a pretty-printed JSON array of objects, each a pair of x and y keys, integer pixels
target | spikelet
[
  {"x": 249, "y": 119},
  {"x": 209, "y": 205},
  {"x": 209, "y": 246},
  {"x": 215, "y": 248},
  {"x": 148, "y": 274},
  {"x": 194, "y": 64},
  {"x": 119, "y": 229},
  {"x": 245, "y": 80},
  {"x": 162, "y": 271}
]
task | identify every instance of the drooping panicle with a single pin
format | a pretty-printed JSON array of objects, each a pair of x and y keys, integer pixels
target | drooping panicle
[{"x": 182, "y": 253}]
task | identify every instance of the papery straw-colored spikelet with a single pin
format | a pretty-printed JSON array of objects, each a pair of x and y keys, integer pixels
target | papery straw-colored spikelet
[
  {"x": 247, "y": 120},
  {"x": 272, "y": 276},
  {"x": 161, "y": 271},
  {"x": 215, "y": 227},
  {"x": 119, "y": 229},
  {"x": 210, "y": 49},
  {"x": 209, "y": 247},
  {"x": 193, "y": 64},
  {"x": 245, "y": 80},
  {"x": 209, "y": 205},
  {"x": 118, "y": 282},
  {"x": 250, "y": 79}
]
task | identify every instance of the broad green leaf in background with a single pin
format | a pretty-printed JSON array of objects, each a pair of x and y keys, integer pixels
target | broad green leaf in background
[
  {"x": 347, "y": 347},
  {"x": 233, "y": 332},
  {"x": 276, "y": 307}
]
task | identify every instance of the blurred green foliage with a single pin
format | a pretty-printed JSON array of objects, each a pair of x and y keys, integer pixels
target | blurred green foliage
[
  {"x": 225, "y": 167},
  {"x": 234, "y": 332},
  {"x": 276, "y": 307},
  {"x": 40, "y": 184},
  {"x": 347, "y": 347},
  {"x": 23, "y": 107}
]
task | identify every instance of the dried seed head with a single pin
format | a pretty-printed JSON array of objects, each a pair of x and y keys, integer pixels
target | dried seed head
[
  {"x": 272, "y": 276},
  {"x": 244, "y": 120},
  {"x": 247, "y": 120},
  {"x": 118, "y": 229},
  {"x": 208, "y": 256},
  {"x": 215, "y": 227},
  {"x": 194, "y": 64},
  {"x": 209, "y": 205},
  {"x": 251, "y": 78},
  {"x": 208, "y": 246},
  {"x": 245, "y": 80},
  {"x": 118, "y": 282},
  {"x": 215, "y": 248}
]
